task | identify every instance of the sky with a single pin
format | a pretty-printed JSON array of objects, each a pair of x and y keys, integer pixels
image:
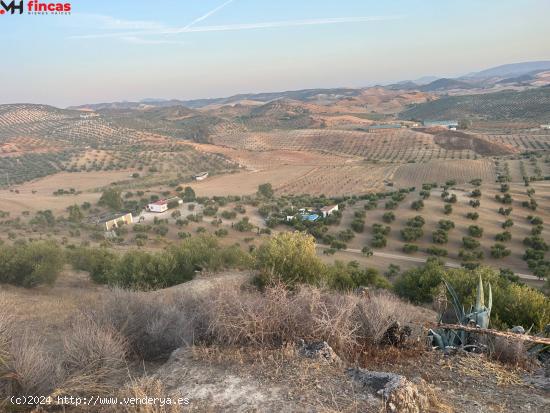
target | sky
[{"x": 109, "y": 50}]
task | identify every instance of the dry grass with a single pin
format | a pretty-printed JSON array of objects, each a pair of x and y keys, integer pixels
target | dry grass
[
  {"x": 508, "y": 351},
  {"x": 346, "y": 321},
  {"x": 142, "y": 388},
  {"x": 93, "y": 358},
  {"x": 380, "y": 311},
  {"x": 30, "y": 369},
  {"x": 152, "y": 325}
]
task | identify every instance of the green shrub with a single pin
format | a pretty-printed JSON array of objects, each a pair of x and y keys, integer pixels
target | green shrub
[
  {"x": 437, "y": 252},
  {"x": 500, "y": 251},
  {"x": 508, "y": 224},
  {"x": 410, "y": 248},
  {"x": 411, "y": 233},
  {"x": 536, "y": 243},
  {"x": 503, "y": 236},
  {"x": 380, "y": 229},
  {"x": 112, "y": 199},
  {"x": 470, "y": 255},
  {"x": 291, "y": 258},
  {"x": 378, "y": 241},
  {"x": 470, "y": 243},
  {"x": 388, "y": 217},
  {"x": 446, "y": 225},
  {"x": 349, "y": 276},
  {"x": 416, "y": 222},
  {"x": 358, "y": 225},
  {"x": 474, "y": 203},
  {"x": 98, "y": 262},
  {"x": 440, "y": 237},
  {"x": 475, "y": 231},
  {"x": 513, "y": 304},
  {"x": 144, "y": 271},
  {"x": 30, "y": 264},
  {"x": 417, "y": 205},
  {"x": 244, "y": 225}
]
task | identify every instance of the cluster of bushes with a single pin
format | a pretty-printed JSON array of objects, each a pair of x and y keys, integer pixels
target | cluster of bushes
[
  {"x": 531, "y": 203},
  {"x": 379, "y": 233},
  {"x": 144, "y": 271},
  {"x": 30, "y": 264},
  {"x": 470, "y": 252},
  {"x": 513, "y": 304},
  {"x": 358, "y": 223},
  {"x": 536, "y": 249}
]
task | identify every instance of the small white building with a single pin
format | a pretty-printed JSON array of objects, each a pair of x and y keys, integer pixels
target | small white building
[
  {"x": 328, "y": 210},
  {"x": 200, "y": 177},
  {"x": 158, "y": 206},
  {"x": 546, "y": 127},
  {"x": 112, "y": 221}
]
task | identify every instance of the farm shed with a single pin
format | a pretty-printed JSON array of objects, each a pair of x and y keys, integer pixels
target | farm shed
[
  {"x": 328, "y": 210},
  {"x": 112, "y": 221},
  {"x": 158, "y": 206}
]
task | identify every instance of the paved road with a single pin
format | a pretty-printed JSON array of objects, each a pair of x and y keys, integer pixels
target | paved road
[{"x": 420, "y": 260}]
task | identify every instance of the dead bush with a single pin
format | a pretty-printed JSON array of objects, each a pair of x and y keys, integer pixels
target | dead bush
[
  {"x": 6, "y": 327},
  {"x": 93, "y": 358},
  {"x": 28, "y": 369},
  {"x": 152, "y": 325},
  {"x": 279, "y": 316},
  {"x": 379, "y": 312},
  {"x": 508, "y": 350}
]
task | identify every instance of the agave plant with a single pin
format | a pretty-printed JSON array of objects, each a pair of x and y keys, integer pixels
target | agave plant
[{"x": 478, "y": 316}]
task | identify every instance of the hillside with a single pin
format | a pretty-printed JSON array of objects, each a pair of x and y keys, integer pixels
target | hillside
[
  {"x": 445, "y": 84},
  {"x": 533, "y": 105},
  {"x": 511, "y": 70},
  {"x": 39, "y": 140}
]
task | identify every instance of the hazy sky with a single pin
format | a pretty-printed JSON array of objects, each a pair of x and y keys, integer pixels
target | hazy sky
[{"x": 129, "y": 50}]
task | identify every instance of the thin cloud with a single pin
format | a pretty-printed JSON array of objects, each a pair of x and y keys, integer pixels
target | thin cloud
[
  {"x": 139, "y": 40},
  {"x": 278, "y": 24},
  {"x": 113, "y": 23},
  {"x": 245, "y": 26},
  {"x": 207, "y": 15}
]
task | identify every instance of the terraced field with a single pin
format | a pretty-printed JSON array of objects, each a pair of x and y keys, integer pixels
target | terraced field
[
  {"x": 441, "y": 171},
  {"x": 392, "y": 146},
  {"x": 529, "y": 105},
  {"x": 341, "y": 180},
  {"x": 538, "y": 140}
]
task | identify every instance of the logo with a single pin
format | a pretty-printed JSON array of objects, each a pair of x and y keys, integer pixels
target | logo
[
  {"x": 11, "y": 8},
  {"x": 34, "y": 7}
]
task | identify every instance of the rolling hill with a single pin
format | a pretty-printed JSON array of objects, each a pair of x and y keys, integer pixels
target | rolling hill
[{"x": 532, "y": 104}]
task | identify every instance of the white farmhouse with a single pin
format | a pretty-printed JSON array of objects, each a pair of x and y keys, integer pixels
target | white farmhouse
[
  {"x": 158, "y": 206},
  {"x": 328, "y": 210}
]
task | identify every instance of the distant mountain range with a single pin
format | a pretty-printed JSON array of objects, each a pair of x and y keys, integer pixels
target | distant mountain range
[
  {"x": 511, "y": 70},
  {"x": 524, "y": 74}
]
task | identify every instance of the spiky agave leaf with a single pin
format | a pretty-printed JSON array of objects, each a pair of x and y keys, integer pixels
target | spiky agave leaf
[
  {"x": 490, "y": 301},
  {"x": 480, "y": 299},
  {"x": 459, "y": 310}
]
